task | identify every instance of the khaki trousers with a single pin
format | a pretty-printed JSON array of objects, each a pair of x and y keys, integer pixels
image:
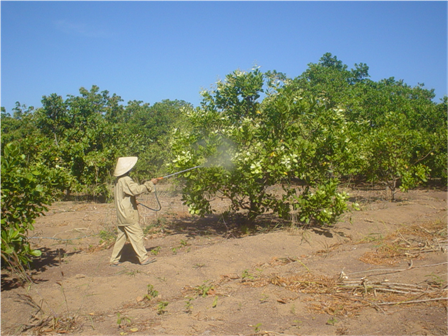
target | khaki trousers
[{"x": 135, "y": 235}]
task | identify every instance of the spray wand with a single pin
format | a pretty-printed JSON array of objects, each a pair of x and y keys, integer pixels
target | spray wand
[
  {"x": 165, "y": 177},
  {"x": 182, "y": 171}
]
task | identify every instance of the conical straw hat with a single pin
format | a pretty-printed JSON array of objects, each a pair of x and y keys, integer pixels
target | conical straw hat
[{"x": 125, "y": 164}]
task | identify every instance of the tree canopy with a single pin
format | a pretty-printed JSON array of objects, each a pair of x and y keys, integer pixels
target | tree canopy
[{"x": 254, "y": 130}]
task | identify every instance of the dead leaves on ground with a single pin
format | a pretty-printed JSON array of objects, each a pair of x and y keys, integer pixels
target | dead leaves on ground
[
  {"x": 341, "y": 296},
  {"x": 42, "y": 323},
  {"x": 411, "y": 242}
]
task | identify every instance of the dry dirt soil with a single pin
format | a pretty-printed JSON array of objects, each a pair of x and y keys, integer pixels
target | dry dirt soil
[{"x": 381, "y": 270}]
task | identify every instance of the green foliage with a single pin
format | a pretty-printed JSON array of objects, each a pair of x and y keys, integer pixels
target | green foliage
[
  {"x": 332, "y": 321},
  {"x": 395, "y": 156},
  {"x": 257, "y": 328},
  {"x": 246, "y": 275},
  {"x": 18, "y": 126},
  {"x": 86, "y": 142},
  {"x": 155, "y": 251},
  {"x": 256, "y": 130},
  {"x": 161, "y": 307},
  {"x": 120, "y": 320},
  {"x": 189, "y": 305},
  {"x": 400, "y": 134},
  {"x": 324, "y": 205},
  {"x": 85, "y": 134},
  {"x": 252, "y": 132},
  {"x": 204, "y": 289},
  {"x": 108, "y": 235},
  {"x": 404, "y": 136},
  {"x": 439, "y": 138},
  {"x": 148, "y": 130},
  {"x": 26, "y": 192},
  {"x": 254, "y": 145},
  {"x": 151, "y": 292}
]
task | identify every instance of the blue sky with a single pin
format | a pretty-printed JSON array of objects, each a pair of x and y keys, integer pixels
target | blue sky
[{"x": 151, "y": 51}]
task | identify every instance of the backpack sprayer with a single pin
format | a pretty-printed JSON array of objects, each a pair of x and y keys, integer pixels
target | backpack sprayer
[{"x": 165, "y": 177}]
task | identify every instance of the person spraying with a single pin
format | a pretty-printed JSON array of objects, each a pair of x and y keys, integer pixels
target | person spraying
[{"x": 125, "y": 192}]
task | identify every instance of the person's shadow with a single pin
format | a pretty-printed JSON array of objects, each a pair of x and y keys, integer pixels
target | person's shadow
[{"x": 128, "y": 254}]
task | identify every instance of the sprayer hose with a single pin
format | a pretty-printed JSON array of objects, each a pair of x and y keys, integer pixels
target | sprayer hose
[{"x": 157, "y": 199}]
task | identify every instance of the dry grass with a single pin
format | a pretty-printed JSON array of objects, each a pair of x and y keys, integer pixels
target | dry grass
[
  {"x": 41, "y": 323},
  {"x": 344, "y": 297},
  {"x": 386, "y": 255},
  {"x": 305, "y": 283},
  {"x": 411, "y": 242},
  {"x": 339, "y": 296}
]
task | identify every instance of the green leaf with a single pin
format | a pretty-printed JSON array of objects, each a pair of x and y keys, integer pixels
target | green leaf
[{"x": 36, "y": 253}]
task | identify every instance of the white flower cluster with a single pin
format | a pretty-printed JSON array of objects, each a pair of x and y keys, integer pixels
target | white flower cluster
[
  {"x": 250, "y": 158},
  {"x": 256, "y": 168},
  {"x": 229, "y": 130},
  {"x": 249, "y": 122},
  {"x": 288, "y": 159},
  {"x": 243, "y": 157},
  {"x": 239, "y": 73},
  {"x": 184, "y": 158}
]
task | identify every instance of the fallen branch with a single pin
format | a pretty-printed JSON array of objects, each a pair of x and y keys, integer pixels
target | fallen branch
[
  {"x": 379, "y": 286},
  {"x": 358, "y": 299},
  {"x": 391, "y": 270},
  {"x": 413, "y": 301}
]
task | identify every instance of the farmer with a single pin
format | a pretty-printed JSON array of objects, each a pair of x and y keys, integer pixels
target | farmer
[{"x": 125, "y": 191}]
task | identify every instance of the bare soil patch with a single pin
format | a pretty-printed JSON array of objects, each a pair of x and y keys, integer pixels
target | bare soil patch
[{"x": 379, "y": 271}]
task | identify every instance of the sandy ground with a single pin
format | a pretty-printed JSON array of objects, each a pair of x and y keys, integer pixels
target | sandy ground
[{"x": 379, "y": 271}]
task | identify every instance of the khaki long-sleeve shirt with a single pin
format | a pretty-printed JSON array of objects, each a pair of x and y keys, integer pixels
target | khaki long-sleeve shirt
[{"x": 125, "y": 192}]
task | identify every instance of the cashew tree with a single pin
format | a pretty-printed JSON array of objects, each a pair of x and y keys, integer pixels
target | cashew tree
[
  {"x": 254, "y": 131},
  {"x": 26, "y": 192}
]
